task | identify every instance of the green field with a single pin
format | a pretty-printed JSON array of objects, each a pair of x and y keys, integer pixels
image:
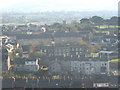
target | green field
[{"x": 114, "y": 60}]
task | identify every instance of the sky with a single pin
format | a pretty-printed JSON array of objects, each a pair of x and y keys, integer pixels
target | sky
[{"x": 58, "y": 5}]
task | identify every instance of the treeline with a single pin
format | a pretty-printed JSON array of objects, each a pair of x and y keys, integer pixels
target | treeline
[
  {"x": 86, "y": 24},
  {"x": 97, "y": 21}
]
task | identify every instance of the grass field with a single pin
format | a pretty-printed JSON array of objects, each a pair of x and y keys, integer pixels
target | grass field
[
  {"x": 114, "y": 60},
  {"x": 105, "y": 26},
  {"x": 36, "y": 23}
]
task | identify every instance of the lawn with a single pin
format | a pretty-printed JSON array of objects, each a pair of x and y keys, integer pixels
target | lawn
[{"x": 114, "y": 60}]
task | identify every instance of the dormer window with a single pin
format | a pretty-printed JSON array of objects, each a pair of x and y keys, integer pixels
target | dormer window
[{"x": 30, "y": 63}]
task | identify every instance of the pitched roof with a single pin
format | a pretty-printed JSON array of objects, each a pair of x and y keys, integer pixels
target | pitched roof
[{"x": 22, "y": 60}]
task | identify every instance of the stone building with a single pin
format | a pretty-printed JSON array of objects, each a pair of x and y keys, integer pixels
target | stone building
[
  {"x": 57, "y": 66},
  {"x": 5, "y": 60},
  {"x": 90, "y": 67},
  {"x": 63, "y": 50},
  {"x": 25, "y": 64},
  {"x": 79, "y": 67}
]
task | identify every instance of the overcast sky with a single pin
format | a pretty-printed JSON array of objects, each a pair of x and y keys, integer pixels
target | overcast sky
[{"x": 58, "y": 5}]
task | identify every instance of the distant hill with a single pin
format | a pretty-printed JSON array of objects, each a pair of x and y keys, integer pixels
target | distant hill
[{"x": 54, "y": 16}]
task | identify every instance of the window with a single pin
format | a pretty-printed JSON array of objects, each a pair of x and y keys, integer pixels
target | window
[
  {"x": 103, "y": 69},
  {"x": 80, "y": 49},
  {"x": 60, "y": 54},
  {"x": 48, "y": 50},
  {"x": 45, "y": 50},
  {"x": 64, "y": 55},
  {"x": 53, "y": 68},
  {"x": 63, "y": 50},
  {"x": 76, "y": 64},
  {"x": 66, "y": 50},
  {"x": 41, "y": 50},
  {"x": 67, "y": 54},
  {"x": 76, "y": 49},
  {"x": 76, "y": 53},
  {"x": 75, "y": 67},
  {"x": 17, "y": 65},
  {"x": 72, "y": 49}
]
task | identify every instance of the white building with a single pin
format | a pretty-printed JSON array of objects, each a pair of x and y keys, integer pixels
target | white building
[{"x": 26, "y": 64}]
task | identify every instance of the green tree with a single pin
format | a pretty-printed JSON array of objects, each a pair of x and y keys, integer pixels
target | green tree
[
  {"x": 114, "y": 21},
  {"x": 39, "y": 54},
  {"x": 93, "y": 48},
  {"x": 7, "y": 74},
  {"x": 96, "y": 20},
  {"x": 107, "y": 22},
  {"x": 85, "y": 21},
  {"x": 56, "y": 25},
  {"x": 31, "y": 50}
]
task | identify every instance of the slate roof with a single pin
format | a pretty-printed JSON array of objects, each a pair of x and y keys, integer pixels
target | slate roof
[
  {"x": 4, "y": 54},
  {"x": 25, "y": 36},
  {"x": 25, "y": 47},
  {"x": 22, "y": 60},
  {"x": 68, "y": 34},
  {"x": 12, "y": 43},
  {"x": 110, "y": 37},
  {"x": 7, "y": 83},
  {"x": 57, "y": 34}
]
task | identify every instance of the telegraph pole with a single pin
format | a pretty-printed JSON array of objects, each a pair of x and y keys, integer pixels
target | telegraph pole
[{"x": 53, "y": 43}]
